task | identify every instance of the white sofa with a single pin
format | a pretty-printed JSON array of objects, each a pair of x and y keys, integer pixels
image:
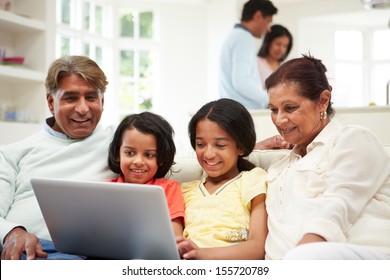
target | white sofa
[{"x": 188, "y": 169}]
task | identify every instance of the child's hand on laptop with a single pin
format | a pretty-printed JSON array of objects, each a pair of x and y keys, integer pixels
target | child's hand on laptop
[{"x": 188, "y": 249}]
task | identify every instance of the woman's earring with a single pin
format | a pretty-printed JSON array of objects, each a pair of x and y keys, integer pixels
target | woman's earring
[{"x": 323, "y": 115}]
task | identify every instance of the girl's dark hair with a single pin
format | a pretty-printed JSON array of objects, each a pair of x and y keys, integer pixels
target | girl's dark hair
[
  {"x": 235, "y": 119},
  {"x": 307, "y": 73},
  {"x": 252, "y": 6},
  {"x": 277, "y": 30},
  {"x": 148, "y": 123}
]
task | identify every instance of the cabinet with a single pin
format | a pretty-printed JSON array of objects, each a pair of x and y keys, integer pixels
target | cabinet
[{"x": 27, "y": 30}]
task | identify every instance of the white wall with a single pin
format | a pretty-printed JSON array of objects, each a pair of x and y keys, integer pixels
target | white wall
[
  {"x": 222, "y": 15},
  {"x": 183, "y": 52}
]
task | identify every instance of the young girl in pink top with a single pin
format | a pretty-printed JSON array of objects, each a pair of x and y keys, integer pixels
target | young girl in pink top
[{"x": 142, "y": 151}]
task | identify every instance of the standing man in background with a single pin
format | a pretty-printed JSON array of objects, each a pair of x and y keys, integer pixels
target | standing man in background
[{"x": 239, "y": 75}]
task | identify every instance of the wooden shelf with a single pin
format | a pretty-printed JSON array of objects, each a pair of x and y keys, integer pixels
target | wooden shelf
[
  {"x": 19, "y": 24},
  {"x": 16, "y": 74},
  {"x": 27, "y": 30}
]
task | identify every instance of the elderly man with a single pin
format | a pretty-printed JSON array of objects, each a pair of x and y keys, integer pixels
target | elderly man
[{"x": 71, "y": 144}]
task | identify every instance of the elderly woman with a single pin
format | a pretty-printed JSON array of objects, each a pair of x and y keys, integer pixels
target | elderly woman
[{"x": 329, "y": 198}]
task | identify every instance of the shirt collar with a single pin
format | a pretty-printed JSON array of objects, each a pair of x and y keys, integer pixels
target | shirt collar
[
  {"x": 239, "y": 25},
  {"x": 323, "y": 137},
  {"x": 48, "y": 128},
  {"x": 121, "y": 179}
]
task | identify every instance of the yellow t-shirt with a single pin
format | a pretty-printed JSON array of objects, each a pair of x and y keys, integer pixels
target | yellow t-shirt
[{"x": 222, "y": 218}]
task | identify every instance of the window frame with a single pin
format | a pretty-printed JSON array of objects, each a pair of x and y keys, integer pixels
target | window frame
[{"x": 369, "y": 95}]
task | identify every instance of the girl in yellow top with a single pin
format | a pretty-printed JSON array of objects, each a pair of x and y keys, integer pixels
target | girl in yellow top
[{"x": 225, "y": 210}]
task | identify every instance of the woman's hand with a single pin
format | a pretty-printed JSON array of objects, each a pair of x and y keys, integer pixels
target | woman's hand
[{"x": 273, "y": 143}]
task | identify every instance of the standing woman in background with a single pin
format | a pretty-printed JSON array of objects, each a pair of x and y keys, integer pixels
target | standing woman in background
[{"x": 276, "y": 46}]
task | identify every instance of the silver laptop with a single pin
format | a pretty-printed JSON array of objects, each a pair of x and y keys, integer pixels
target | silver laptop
[{"x": 107, "y": 220}]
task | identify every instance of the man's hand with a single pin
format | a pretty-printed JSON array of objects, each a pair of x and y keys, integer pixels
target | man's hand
[
  {"x": 273, "y": 143},
  {"x": 18, "y": 241}
]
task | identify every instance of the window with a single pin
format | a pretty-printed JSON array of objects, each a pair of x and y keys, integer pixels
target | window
[
  {"x": 78, "y": 35},
  {"x": 348, "y": 68},
  {"x": 125, "y": 48},
  {"x": 362, "y": 71},
  {"x": 137, "y": 60}
]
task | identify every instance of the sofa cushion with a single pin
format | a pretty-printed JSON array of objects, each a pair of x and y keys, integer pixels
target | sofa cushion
[{"x": 186, "y": 169}]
